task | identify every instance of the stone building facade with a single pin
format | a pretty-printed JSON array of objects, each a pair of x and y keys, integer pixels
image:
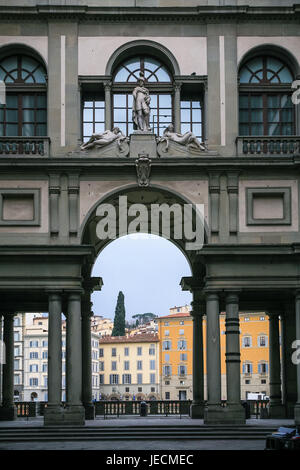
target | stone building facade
[{"x": 224, "y": 73}]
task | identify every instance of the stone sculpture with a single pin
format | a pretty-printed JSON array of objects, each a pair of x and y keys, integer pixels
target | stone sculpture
[
  {"x": 106, "y": 138},
  {"x": 141, "y": 107}
]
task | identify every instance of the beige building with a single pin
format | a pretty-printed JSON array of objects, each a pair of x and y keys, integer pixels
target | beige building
[
  {"x": 129, "y": 367},
  {"x": 102, "y": 326}
]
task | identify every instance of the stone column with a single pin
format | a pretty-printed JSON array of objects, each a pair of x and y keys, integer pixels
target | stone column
[
  {"x": 108, "y": 109},
  {"x": 213, "y": 413},
  {"x": 54, "y": 412},
  {"x": 8, "y": 410},
  {"x": 87, "y": 359},
  {"x": 276, "y": 409},
  {"x": 235, "y": 413},
  {"x": 197, "y": 407},
  {"x": 296, "y": 356},
  {"x": 177, "y": 116},
  {"x": 74, "y": 410}
]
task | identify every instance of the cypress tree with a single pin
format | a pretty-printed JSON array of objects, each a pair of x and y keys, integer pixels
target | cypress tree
[{"x": 119, "y": 320}]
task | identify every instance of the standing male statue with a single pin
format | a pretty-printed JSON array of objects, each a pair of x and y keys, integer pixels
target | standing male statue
[{"x": 140, "y": 106}]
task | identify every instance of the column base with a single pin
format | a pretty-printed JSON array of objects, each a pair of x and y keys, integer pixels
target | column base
[
  {"x": 74, "y": 415},
  {"x": 197, "y": 411},
  {"x": 290, "y": 409},
  {"x": 276, "y": 411},
  {"x": 89, "y": 410},
  {"x": 231, "y": 414},
  {"x": 8, "y": 413},
  {"x": 297, "y": 414},
  {"x": 70, "y": 416},
  {"x": 53, "y": 415}
]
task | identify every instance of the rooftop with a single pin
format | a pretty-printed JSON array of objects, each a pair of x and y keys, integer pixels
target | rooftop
[{"x": 142, "y": 338}]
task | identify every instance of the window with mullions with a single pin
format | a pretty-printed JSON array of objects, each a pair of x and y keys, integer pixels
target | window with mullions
[
  {"x": 157, "y": 80},
  {"x": 265, "y": 106},
  {"x": 25, "y": 112},
  {"x": 191, "y": 117},
  {"x": 150, "y": 68},
  {"x": 160, "y": 117},
  {"x": 93, "y": 116}
]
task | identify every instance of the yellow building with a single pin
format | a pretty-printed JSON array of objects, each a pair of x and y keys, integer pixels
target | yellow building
[
  {"x": 176, "y": 354},
  {"x": 129, "y": 367}
]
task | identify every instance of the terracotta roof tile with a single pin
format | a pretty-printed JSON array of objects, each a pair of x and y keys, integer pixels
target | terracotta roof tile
[{"x": 142, "y": 338}]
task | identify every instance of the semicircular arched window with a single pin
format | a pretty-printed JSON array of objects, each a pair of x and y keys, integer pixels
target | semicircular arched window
[
  {"x": 25, "y": 111},
  {"x": 265, "y": 106},
  {"x": 153, "y": 70}
]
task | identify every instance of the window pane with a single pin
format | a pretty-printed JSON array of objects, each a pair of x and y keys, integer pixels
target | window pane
[
  {"x": 153, "y": 101},
  {"x": 196, "y": 115},
  {"x": 273, "y": 129},
  {"x": 28, "y": 101},
  {"x": 121, "y": 75},
  {"x": 88, "y": 129},
  {"x": 274, "y": 101},
  {"x": 12, "y": 130},
  {"x": 243, "y": 101},
  {"x": 197, "y": 129},
  {"x": 256, "y": 101},
  {"x": 88, "y": 115},
  {"x": 41, "y": 101},
  {"x": 41, "y": 130},
  {"x": 120, "y": 101},
  {"x": 185, "y": 128},
  {"x": 120, "y": 115},
  {"x": 287, "y": 129},
  {"x": 257, "y": 129},
  {"x": 11, "y": 101},
  {"x": 185, "y": 115},
  {"x": 165, "y": 101},
  {"x": 28, "y": 130},
  {"x": 244, "y": 115},
  {"x": 28, "y": 115},
  {"x": 99, "y": 114},
  {"x": 257, "y": 116},
  {"x": 185, "y": 104},
  {"x": 273, "y": 115},
  {"x": 99, "y": 127},
  {"x": 162, "y": 75},
  {"x": 11, "y": 115}
]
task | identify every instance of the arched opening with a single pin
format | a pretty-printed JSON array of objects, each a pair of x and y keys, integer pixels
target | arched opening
[
  {"x": 148, "y": 269},
  {"x": 33, "y": 396}
]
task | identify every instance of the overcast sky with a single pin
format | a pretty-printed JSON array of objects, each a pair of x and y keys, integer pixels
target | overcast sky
[{"x": 147, "y": 269}]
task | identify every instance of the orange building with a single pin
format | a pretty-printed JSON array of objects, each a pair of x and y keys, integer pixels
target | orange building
[{"x": 176, "y": 354}]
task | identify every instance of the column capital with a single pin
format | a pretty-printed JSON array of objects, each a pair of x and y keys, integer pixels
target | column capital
[
  {"x": 198, "y": 308},
  {"x": 74, "y": 292},
  {"x": 232, "y": 296},
  {"x": 212, "y": 294},
  {"x": 297, "y": 294}
]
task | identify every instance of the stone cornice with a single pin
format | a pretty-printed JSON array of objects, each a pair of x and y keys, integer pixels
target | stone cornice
[
  {"x": 209, "y": 163},
  {"x": 203, "y": 14}
]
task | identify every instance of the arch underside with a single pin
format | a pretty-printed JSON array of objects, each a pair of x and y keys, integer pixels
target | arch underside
[{"x": 147, "y": 197}]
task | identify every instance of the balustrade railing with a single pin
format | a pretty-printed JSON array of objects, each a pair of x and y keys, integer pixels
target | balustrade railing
[
  {"x": 257, "y": 145},
  {"x": 257, "y": 408},
  {"x": 157, "y": 407},
  {"x": 24, "y": 146}
]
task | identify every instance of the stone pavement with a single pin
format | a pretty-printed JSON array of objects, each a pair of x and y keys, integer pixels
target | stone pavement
[{"x": 128, "y": 421}]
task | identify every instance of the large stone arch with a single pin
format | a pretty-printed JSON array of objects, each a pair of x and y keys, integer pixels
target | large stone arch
[{"x": 156, "y": 194}]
